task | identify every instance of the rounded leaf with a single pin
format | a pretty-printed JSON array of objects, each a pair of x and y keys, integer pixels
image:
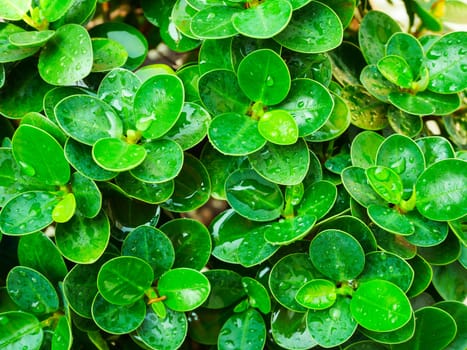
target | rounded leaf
[
  {"x": 380, "y": 306},
  {"x": 245, "y": 330},
  {"x": 282, "y": 164},
  {"x": 317, "y": 294},
  {"x": 20, "y": 330},
  {"x": 8, "y": 51},
  {"x": 31, "y": 39},
  {"x": 264, "y": 76},
  {"x": 114, "y": 154},
  {"x": 124, "y": 279},
  {"x": 117, "y": 319},
  {"x": 235, "y": 134},
  {"x": 313, "y": 28},
  {"x": 14, "y": 10},
  {"x": 226, "y": 288},
  {"x": 279, "y": 127},
  {"x": 337, "y": 255},
  {"x": 252, "y": 196},
  {"x": 163, "y": 333},
  {"x": 28, "y": 212},
  {"x": 441, "y": 191},
  {"x": 191, "y": 242},
  {"x": 31, "y": 291},
  {"x": 64, "y": 209},
  {"x": 67, "y": 56},
  {"x": 386, "y": 182},
  {"x": 158, "y": 104},
  {"x": 258, "y": 296},
  {"x": 40, "y": 156},
  {"x": 151, "y": 193},
  {"x": 286, "y": 231},
  {"x": 87, "y": 119},
  {"x": 185, "y": 289},
  {"x": 264, "y": 20},
  {"x": 151, "y": 245},
  {"x": 214, "y": 22}
]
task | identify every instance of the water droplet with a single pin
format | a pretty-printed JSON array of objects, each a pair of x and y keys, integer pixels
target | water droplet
[
  {"x": 4, "y": 320},
  {"x": 27, "y": 169},
  {"x": 269, "y": 81}
]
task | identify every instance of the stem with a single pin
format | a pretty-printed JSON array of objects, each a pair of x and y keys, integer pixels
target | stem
[{"x": 156, "y": 300}]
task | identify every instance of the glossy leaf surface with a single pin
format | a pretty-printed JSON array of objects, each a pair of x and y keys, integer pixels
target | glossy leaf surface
[
  {"x": 253, "y": 336},
  {"x": 20, "y": 330},
  {"x": 114, "y": 154}
]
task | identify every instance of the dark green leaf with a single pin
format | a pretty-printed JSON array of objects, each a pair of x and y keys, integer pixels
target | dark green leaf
[
  {"x": 107, "y": 54},
  {"x": 226, "y": 288},
  {"x": 20, "y": 330},
  {"x": 258, "y": 296},
  {"x": 246, "y": 330},
  {"x": 214, "y": 22},
  {"x": 8, "y": 51}
]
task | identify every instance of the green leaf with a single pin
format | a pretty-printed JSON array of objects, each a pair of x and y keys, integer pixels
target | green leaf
[
  {"x": 377, "y": 85},
  {"x": 192, "y": 187},
  {"x": 423, "y": 274},
  {"x": 333, "y": 326},
  {"x": 220, "y": 93},
  {"x": 285, "y": 165},
  {"x": 185, "y": 289},
  {"x": 445, "y": 60},
  {"x": 278, "y": 127},
  {"x": 434, "y": 329},
  {"x": 67, "y": 56},
  {"x": 396, "y": 70},
  {"x": 254, "y": 248},
  {"x": 226, "y": 288},
  {"x": 52, "y": 10},
  {"x": 79, "y": 156},
  {"x": 413, "y": 104},
  {"x": 117, "y": 319},
  {"x": 70, "y": 235},
  {"x": 214, "y": 22},
  {"x": 389, "y": 267},
  {"x": 402, "y": 155},
  {"x": 317, "y": 294},
  {"x": 37, "y": 251},
  {"x": 215, "y": 54},
  {"x": 113, "y": 154},
  {"x": 191, "y": 242},
  {"x": 264, "y": 20},
  {"x": 151, "y": 193},
  {"x": 62, "y": 337},
  {"x": 375, "y": 30},
  {"x": 313, "y": 28},
  {"x": 190, "y": 75},
  {"x": 441, "y": 191},
  {"x": 27, "y": 212},
  {"x": 158, "y": 104},
  {"x": 289, "y": 329},
  {"x": 398, "y": 336},
  {"x": 458, "y": 311},
  {"x": 287, "y": 276},
  {"x": 246, "y": 330},
  {"x": 264, "y": 76},
  {"x": 20, "y": 330},
  {"x": 153, "y": 246},
  {"x": 450, "y": 281},
  {"x": 356, "y": 227},
  {"x": 31, "y": 39},
  {"x": 107, "y": 54},
  {"x": 118, "y": 89},
  {"x": 80, "y": 287},
  {"x": 45, "y": 124},
  {"x": 134, "y": 42},
  {"x": 435, "y": 148},
  {"x": 335, "y": 125},
  {"x": 87, "y": 194},
  {"x": 55, "y": 95},
  {"x": 366, "y": 112},
  {"x": 87, "y": 119},
  {"x": 235, "y": 134},
  {"x": 364, "y": 148},
  {"x": 404, "y": 123},
  {"x": 14, "y": 10},
  {"x": 226, "y": 237},
  {"x": 31, "y": 291},
  {"x": 427, "y": 232},
  {"x": 26, "y": 86},
  {"x": 115, "y": 284},
  {"x": 258, "y": 296},
  {"x": 386, "y": 182},
  {"x": 163, "y": 161},
  {"x": 356, "y": 183},
  {"x": 337, "y": 255},
  {"x": 252, "y": 196},
  {"x": 163, "y": 333},
  {"x": 406, "y": 46},
  {"x": 286, "y": 231},
  {"x": 318, "y": 199},
  {"x": 64, "y": 209},
  {"x": 8, "y": 51},
  {"x": 380, "y": 306},
  {"x": 394, "y": 243},
  {"x": 182, "y": 15},
  {"x": 40, "y": 156},
  {"x": 390, "y": 219},
  {"x": 191, "y": 126},
  {"x": 309, "y": 103}
]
